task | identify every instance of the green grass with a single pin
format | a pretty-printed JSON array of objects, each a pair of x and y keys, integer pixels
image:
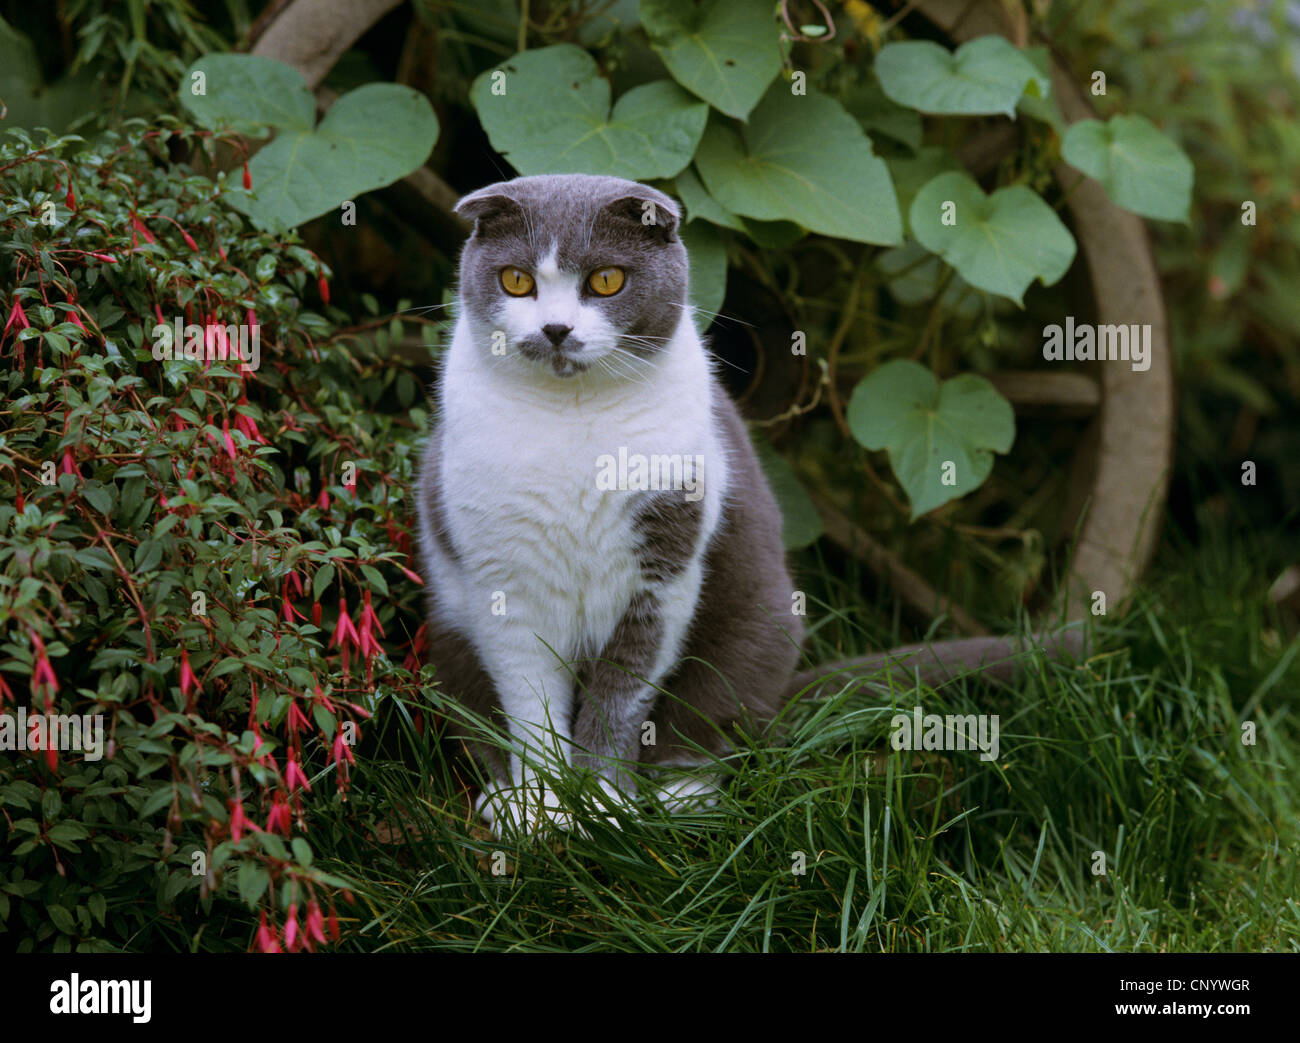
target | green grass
[{"x": 1136, "y": 754}]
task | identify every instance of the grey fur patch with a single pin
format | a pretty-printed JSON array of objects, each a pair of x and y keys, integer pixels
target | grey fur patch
[
  {"x": 609, "y": 717},
  {"x": 669, "y": 527},
  {"x": 593, "y": 222},
  {"x": 434, "y": 514}
]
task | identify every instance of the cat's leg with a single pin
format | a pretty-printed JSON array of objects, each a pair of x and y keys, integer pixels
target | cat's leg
[
  {"x": 619, "y": 687},
  {"x": 535, "y": 693}
]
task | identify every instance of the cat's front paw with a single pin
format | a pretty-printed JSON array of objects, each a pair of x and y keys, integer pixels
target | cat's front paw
[{"x": 522, "y": 811}]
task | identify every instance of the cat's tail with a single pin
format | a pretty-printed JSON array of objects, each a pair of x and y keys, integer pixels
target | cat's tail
[{"x": 999, "y": 659}]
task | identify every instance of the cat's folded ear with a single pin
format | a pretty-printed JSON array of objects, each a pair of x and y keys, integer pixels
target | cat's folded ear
[
  {"x": 488, "y": 207},
  {"x": 655, "y": 213}
]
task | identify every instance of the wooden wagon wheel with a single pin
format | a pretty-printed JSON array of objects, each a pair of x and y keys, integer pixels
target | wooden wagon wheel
[{"x": 1125, "y": 469}]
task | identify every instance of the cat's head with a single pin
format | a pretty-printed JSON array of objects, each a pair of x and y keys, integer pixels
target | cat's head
[{"x": 572, "y": 271}]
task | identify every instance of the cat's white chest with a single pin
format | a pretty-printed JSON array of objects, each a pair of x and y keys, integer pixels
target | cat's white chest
[{"x": 538, "y": 532}]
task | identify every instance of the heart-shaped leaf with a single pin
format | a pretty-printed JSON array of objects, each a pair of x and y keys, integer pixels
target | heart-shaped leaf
[
  {"x": 910, "y": 175},
  {"x": 247, "y": 93},
  {"x": 940, "y": 437},
  {"x": 780, "y": 168},
  {"x": 708, "y": 261},
  {"x": 1139, "y": 167},
  {"x": 983, "y": 77},
  {"x": 370, "y": 137},
  {"x": 548, "y": 112},
  {"x": 724, "y": 51},
  {"x": 999, "y": 243},
  {"x": 700, "y": 205}
]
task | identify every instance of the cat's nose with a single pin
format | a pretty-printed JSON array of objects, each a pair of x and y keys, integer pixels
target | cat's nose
[{"x": 556, "y": 332}]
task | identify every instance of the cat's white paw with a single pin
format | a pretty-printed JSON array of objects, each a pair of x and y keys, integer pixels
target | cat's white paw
[
  {"x": 688, "y": 793},
  {"x": 519, "y": 810}
]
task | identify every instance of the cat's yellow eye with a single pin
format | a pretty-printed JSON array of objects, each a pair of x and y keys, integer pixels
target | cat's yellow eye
[
  {"x": 606, "y": 281},
  {"x": 516, "y": 282}
]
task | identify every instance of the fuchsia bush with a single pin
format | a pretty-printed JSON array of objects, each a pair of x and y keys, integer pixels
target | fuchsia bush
[{"x": 211, "y": 559}]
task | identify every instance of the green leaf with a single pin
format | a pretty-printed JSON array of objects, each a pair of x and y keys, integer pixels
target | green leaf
[
  {"x": 724, "y": 51},
  {"x": 983, "y": 77},
  {"x": 319, "y": 582},
  {"x": 62, "y": 919},
  {"x": 248, "y": 93},
  {"x": 554, "y": 117},
  {"x": 98, "y": 496},
  {"x": 253, "y": 881},
  {"x": 700, "y": 205},
  {"x": 998, "y": 243},
  {"x": 926, "y": 427},
  {"x": 870, "y": 106},
  {"x": 708, "y": 261},
  {"x": 780, "y": 168},
  {"x": 800, "y": 522},
  {"x": 301, "y": 851},
  {"x": 1038, "y": 107},
  {"x": 1139, "y": 167},
  {"x": 370, "y": 137}
]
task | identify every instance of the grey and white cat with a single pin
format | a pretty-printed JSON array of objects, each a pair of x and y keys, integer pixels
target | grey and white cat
[
  {"x": 594, "y": 526},
  {"x": 601, "y": 549}
]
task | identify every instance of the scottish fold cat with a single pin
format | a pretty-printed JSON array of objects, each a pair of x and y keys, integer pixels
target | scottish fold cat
[{"x": 602, "y": 552}]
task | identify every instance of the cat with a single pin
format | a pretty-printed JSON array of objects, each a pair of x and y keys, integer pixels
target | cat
[{"x": 602, "y": 552}]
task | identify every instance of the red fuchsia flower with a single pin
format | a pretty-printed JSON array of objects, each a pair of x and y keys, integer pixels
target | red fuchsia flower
[
  {"x": 293, "y": 584},
  {"x": 106, "y": 258},
  {"x": 315, "y": 613},
  {"x": 278, "y": 821},
  {"x": 247, "y": 425},
  {"x": 225, "y": 437},
  {"x": 333, "y": 923},
  {"x": 248, "y": 178},
  {"x": 323, "y": 500},
  {"x": 72, "y": 318},
  {"x": 266, "y": 940},
  {"x": 341, "y": 751},
  {"x": 287, "y": 610},
  {"x": 189, "y": 240},
  {"x": 157, "y": 310},
  {"x": 344, "y": 633},
  {"x": 188, "y": 680},
  {"x": 314, "y": 925},
  {"x": 322, "y": 699},
  {"x": 419, "y": 645},
  {"x": 17, "y": 317},
  {"x": 145, "y": 234},
  {"x": 66, "y": 465},
  {"x": 297, "y": 721},
  {"x": 366, "y": 641},
  {"x": 70, "y": 199},
  {"x": 42, "y": 672},
  {"x": 291, "y": 928},
  {"x": 237, "y": 821},
  {"x": 294, "y": 777},
  {"x": 323, "y": 284}
]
